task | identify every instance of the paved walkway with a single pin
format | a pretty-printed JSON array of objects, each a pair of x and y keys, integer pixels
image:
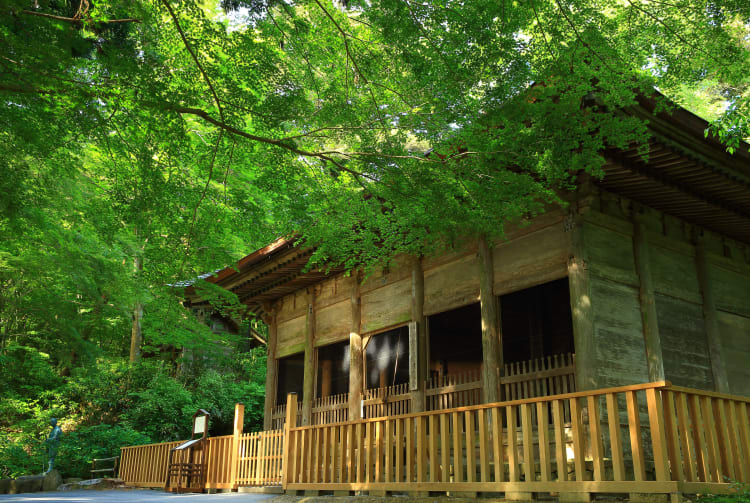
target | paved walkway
[{"x": 131, "y": 496}]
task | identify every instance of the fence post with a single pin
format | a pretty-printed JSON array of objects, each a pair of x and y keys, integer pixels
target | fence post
[
  {"x": 291, "y": 422},
  {"x": 239, "y": 418}
]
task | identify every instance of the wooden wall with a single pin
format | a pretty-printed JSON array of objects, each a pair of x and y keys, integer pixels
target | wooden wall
[
  {"x": 678, "y": 297},
  {"x": 538, "y": 252}
]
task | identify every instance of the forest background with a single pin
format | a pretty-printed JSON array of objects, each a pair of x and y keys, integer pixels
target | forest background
[{"x": 146, "y": 143}]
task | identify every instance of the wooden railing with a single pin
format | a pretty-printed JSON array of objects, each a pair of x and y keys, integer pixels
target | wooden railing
[
  {"x": 549, "y": 375},
  {"x": 705, "y": 437},
  {"x": 331, "y": 409},
  {"x": 219, "y": 462},
  {"x": 486, "y": 448},
  {"x": 386, "y": 401},
  {"x": 145, "y": 465},
  {"x": 458, "y": 390},
  {"x": 545, "y": 376},
  {"x": 647, "y": 438},
  {"x": 259, "y": 458}
]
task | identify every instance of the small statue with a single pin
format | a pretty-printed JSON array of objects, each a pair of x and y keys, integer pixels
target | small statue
[{"x": 53, "y": 441}]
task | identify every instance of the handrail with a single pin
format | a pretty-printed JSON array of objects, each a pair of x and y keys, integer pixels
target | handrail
[{"x": 712, "y": 394}]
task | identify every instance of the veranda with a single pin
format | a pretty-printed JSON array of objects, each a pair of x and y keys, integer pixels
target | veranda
[{"x": 652, "y": 438}]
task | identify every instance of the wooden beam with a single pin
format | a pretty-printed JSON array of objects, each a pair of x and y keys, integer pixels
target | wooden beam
[
  {"x": 711, "y": 321},
  {"x": 271, "y": 367},
  {"x": 308, "y": 384},
  {"x": 649, "y": 318},
  {"x": 580, "y": 303},
  {"x": 492, "y": 356},
  {"x": 356, "y": 354},
  {"x": 417, "y": 316}
]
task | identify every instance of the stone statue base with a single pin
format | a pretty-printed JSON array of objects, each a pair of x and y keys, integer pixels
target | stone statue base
[
  {"x": 52, "y": 480},
  {"x": 49, "y": 481}
]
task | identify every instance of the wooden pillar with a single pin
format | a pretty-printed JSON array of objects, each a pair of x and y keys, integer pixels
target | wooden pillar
[
  {"x": 418, "y": 369},
  {"x": 580, "y": 304},
  {"x": 308, "y": 384},
  {"x": 649, "y": 319},
  {"x": 711, "y": 321},
  {"x": 492, "y": 357},
  {"x": 289, "y": 446},
  {"x": 271, "y": 368},
  {"x": 239, "y": 420},
  {"x": 356, "y": 371}
]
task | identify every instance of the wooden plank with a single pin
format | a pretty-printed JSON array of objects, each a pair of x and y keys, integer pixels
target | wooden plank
[
  {"x": 409, "y": 429},
  {"x": 597, "y": 447},
  {"x": 683, "y": 428},
  {"x": 636, "y": 442},
  {"x": 560, "y": 440},
  {"x": 723, "y": 443},
  {"x": 542, "y": 418},
  {"x": 579, "y": 448},
  {"x": 658, "y": 434},
  {"x": 513, "y": 472},
  {"x": 360, "y": 443},
  {"x": 379, "y": 451},
  {"x": 369, "y": 434},
  {"x": 701, "y": 456},
  {"x": 484, "y": 447},
  {"x": 744, "y": 429},
  {"x": 615, "y": 437},
  {"x": 735, "y": 441},
  {"x": 527, "y": 434},
  {"x": 647, "y": 487},
  {"x": 471, "y": 461},
  {"x": 497, "y": 444},
  {"x": 400, "y": 446},
  {"x": 445, "y": 450},
  {"x": 434, "y": 455},
  {"x": 457, "y": 448},
  {"x": 388, "y": 473},
  {"x": 421, "y": 449},
  {"x": 326, "y": 450},
  {"x": 713, "y": 467}
]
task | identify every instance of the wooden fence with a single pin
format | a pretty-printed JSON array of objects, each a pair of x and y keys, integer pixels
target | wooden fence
[
  {"x": 694, "y": 442},
  {"x": 647, "y": 438},
  {"x": 145, "y": 465},
  {"x": 527, "y": 379},
  {"x": 259, "y": 459}
]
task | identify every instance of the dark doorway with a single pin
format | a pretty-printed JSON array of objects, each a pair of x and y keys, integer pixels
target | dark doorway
[
  {"x": 333, "y": 369},
  {"x": 387, "y": 358},
  {"x": 456, "y": 340},
  {"x": 537, "y": 322},
  {"x": 291, "y": 376}
]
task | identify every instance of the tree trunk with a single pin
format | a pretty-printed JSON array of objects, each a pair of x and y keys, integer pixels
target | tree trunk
[{"x": 136, "y": 337}]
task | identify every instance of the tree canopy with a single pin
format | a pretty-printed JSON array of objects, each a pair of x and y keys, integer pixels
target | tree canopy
[{"x": 147, "y": 142}]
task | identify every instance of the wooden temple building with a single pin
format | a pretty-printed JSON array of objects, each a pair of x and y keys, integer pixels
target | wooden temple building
[{"x": 643, "y": 278}]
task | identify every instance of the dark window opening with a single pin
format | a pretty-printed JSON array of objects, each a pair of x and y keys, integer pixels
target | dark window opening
[
  {"x": 291, "y": 375},
  {"x": 387, "y": 358},
  {"x": 333, "y": 369},
  {"x": 537, "y": 322},
  {"x": 456, "y": 340}
]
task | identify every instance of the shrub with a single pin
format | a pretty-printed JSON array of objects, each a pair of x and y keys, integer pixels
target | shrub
[{"x": 79, "y": 447}]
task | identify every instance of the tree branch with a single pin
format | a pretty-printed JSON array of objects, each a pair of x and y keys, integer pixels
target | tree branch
[{"x": 76, "y": 20}]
